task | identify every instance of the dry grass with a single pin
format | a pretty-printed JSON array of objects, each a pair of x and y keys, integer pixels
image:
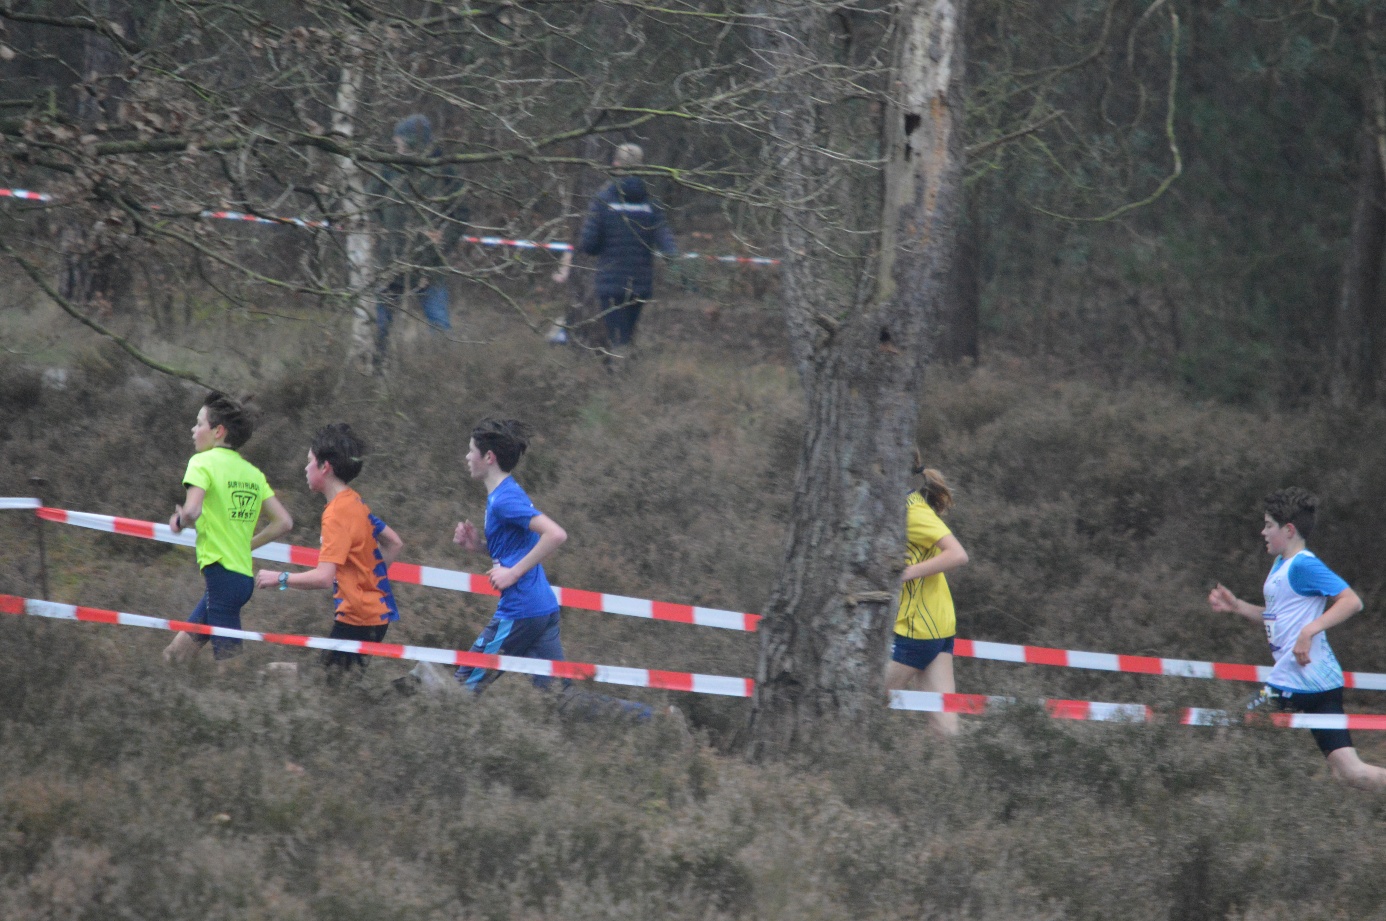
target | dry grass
[{"x": 1096, "y": 519}]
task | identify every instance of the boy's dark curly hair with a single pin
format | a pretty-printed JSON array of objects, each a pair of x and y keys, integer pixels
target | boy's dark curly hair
[{"x": 1295, "y": 506}]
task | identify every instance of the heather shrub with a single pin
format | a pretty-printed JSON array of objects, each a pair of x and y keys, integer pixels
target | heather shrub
[{"x": 1096, "y": 518}]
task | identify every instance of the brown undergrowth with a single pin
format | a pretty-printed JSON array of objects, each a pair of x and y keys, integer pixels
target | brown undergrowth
[{"x": 1096, "y": 519}]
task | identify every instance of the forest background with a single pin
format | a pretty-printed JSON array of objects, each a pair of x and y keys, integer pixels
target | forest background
[{"x": 1114, "y": 390}]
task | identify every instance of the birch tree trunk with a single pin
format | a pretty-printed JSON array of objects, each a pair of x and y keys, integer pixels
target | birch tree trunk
[
  {"x": 860, "y": 342},
  {"x": 359, "y": 248}
]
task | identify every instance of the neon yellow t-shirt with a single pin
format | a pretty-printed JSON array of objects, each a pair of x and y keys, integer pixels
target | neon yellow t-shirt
[
  {"x": 926, "y": 606},
  {"x": 235, "y": 491}
]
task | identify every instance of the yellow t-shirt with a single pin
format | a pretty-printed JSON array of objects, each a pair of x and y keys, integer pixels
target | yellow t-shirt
[
  {"x": 235, "y": 491},
  {"x": 926, "y": 605}
]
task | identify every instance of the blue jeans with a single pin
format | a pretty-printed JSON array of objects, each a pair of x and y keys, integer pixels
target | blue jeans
[
  {"x": 227, "y": 592},
  {"x": 433, "y": 300}
]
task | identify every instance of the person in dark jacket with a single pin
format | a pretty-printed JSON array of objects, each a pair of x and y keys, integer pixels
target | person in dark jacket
[
  {"x": 420, "y": 216},
  {"x": 623, "y": 229}
]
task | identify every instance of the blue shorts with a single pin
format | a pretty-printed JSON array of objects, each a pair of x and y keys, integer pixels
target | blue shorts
[
  {"x": 919, "y": 653},
  {"x": 227, "y": 592},
  {"x": 530, "y": 637}
]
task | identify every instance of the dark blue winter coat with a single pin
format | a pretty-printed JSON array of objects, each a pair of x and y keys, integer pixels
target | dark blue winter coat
[{"x": 623, "y": 229}]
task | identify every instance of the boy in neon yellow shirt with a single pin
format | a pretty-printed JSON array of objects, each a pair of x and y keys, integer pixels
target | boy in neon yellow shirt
[{"x": 225, "y": 495}]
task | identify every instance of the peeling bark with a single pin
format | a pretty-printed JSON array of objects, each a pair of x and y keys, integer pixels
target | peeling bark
[{"x": 825, "y": 634}]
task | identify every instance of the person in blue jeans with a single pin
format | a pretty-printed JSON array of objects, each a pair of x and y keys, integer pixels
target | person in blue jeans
[{"x": 420, "y": 215}]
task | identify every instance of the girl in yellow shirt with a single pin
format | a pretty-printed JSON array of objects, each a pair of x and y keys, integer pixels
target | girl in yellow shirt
[{"x": 925, "y": 625}]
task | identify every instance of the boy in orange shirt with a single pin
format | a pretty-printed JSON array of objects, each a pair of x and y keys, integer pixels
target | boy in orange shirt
[{"x": 357, "y": 548}]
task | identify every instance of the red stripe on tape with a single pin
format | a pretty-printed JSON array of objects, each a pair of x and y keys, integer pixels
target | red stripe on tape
[
  {"x": 673, "y": 681},
  {"x": 303, "y": 556},
  {"x": 582, "y": 600},
  {"x": 1141, "y": 665},
  {"x": 964, "y": 703},
  {"x": 750, "y": 622},
  {"x": 482, "y": 586},
  {"x": 52, "y": 514},
  {"x": 286, "y": 639},
  {"x": 389, "y": 650},
  {"x": 98, "y": 616},
  {"x": 478, "y": 660},
  {"x": 1367, "y": 721},
  {"x": 411, "y": 573},
  {"x": 11, "y": 604},
  {"x": 963, "y": 648},
  {"x": 1232, "y": 672},
  {"x": 1068, "y": 709},
  {"x": 678, "y": 613},
  {"x": 133, "y": 527},
  {"x": 1041, "y": 655},
  {"x": 578, "y": 671},
  {"x": 1349, "y": 680}
]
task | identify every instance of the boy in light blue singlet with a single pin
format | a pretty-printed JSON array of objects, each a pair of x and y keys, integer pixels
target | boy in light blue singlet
[{"x": 1303, "y": 599}]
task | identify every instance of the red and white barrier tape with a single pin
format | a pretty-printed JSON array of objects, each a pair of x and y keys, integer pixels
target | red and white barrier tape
[
  {"x": 520, "y": 244},
  {"x": 744, "y": 260},
  {"x": 25, "y": 195},
  {"x": 722, "y": 685},
  {"x": 1139, "y": 665},
  {"x": 257, "y": 219},
  {"x": 556, "y": 246},
  {"x": 936, "y": 702},
  {"x": 580, "y": 671},
  {"x": 427, "y": 576},
  {"x": 1096, "y": 711},
  {"x": 452, "y": 580}
]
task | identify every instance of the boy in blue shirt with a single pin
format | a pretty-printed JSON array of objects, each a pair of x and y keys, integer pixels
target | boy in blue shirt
[
  {"x": 1303, "y": 599},
  {"x": 519, "y": 538}
]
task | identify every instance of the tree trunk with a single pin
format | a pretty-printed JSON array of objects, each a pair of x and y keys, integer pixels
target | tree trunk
[
  {"x": 824, "y": 636},
  {"x": 584, "y": 328},
  {"x": 1353, "y": 367},
  {"x": 959, "y": 337},
  {"x": 359, "y": 248},
  {"x": 93, "y": 273}
]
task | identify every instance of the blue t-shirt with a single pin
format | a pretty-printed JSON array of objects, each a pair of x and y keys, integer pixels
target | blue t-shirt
[{"x": 508, "y": 539}]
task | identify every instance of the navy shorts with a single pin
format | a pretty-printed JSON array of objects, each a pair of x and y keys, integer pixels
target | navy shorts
[
  {"x": 530, "y": 637},
  {"x": 1329, "y": 740},
  {"x": 227, "y": 592},
  {"x": 919, "y": 653}
]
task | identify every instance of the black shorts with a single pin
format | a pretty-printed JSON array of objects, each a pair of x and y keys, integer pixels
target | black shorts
[
  {"x": 1330, "y": 740},
  {"x": 340, "y": 631}
]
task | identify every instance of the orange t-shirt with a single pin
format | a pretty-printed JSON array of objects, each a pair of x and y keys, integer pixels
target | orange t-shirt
[{"x": 363, "y": 593}]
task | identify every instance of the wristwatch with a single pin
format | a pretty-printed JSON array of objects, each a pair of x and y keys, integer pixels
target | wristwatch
[{"x": 283, "y": 581}]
